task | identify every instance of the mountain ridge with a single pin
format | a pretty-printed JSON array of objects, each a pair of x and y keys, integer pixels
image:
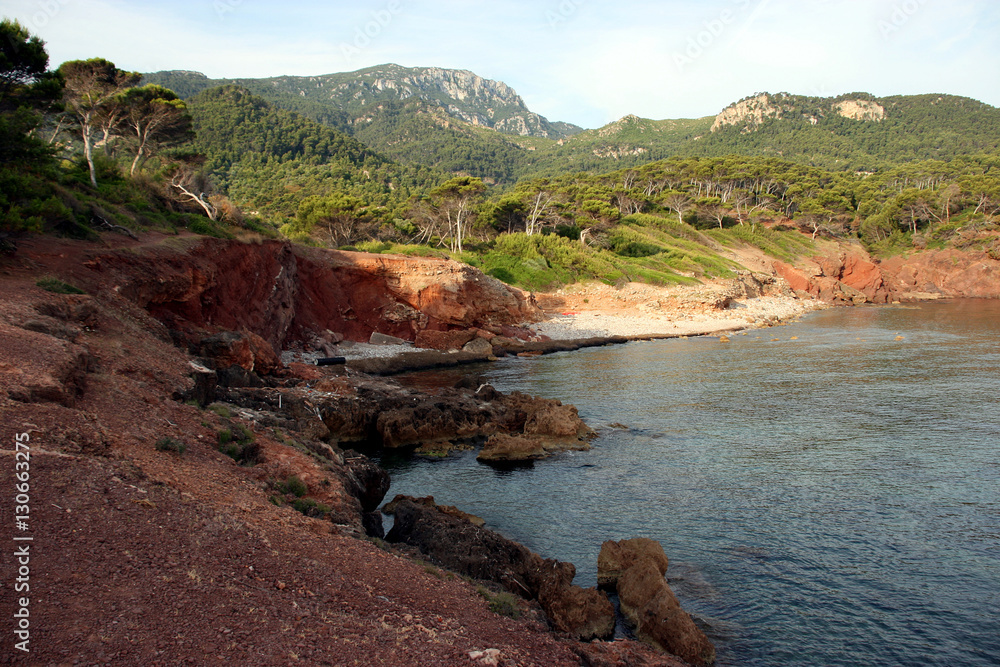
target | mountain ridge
[
  {"x": 461, "y": 93},
  {"x": 460, "y": 122}
]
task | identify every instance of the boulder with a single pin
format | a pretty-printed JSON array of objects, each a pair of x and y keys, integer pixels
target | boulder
[
  {"x": 390, "y": 508},
  {"x": 432, "y": 419},
  {"x": 479, "y": 346},
  {"x": 265, "y": 359},
  {"x": 245, "y": 350},
  {"x": 444, "y": 340},
  {"x": 636, "y": 568},
  {"x": 652, "y": 609},
  {"x": 617, "y": 557},
  {"x": 848, "y": 278},
  {"x": 457, "y": 544},
  {"x": 552, "y": 418},
  {"x": 508, "y": 448},
  {"x": 382, "y": 339},
  {"x": 386, "y": 415}
]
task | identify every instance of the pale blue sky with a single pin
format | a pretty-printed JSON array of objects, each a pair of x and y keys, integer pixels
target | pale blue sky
[{"x": 588, "y": 62}]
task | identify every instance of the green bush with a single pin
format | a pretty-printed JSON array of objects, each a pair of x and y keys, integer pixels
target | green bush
[
  {"x": 238, "y": 444},
  {"x": 310, "y": 507},
  {"x": 168, "y": 444},
  {"x": 58, "y": 286},
  {"x": 294, "y": 486}
]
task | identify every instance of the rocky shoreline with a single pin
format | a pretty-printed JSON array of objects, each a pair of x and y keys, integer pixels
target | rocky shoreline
[{"x": 183, "y": 390}]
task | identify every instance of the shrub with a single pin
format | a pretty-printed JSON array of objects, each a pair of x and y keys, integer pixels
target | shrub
[
  {"x": 294, "y": 486},
  {"x": 168, "y": 444},
  {"x": 310, "y": 507},
  {"x": 206, "y": 227},
  {"x": 58, "y": 286},
  {"x": 238, "y": 444}
]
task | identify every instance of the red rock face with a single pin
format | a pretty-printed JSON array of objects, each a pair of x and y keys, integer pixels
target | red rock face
[
  {"x": 951, "y": 273},
  {"x": 849, "y": 277},
  {"x": 286, "y": 293}
]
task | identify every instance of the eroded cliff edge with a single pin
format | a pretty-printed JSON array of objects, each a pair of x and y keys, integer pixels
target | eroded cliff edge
[{"x": 285, "y": 292}]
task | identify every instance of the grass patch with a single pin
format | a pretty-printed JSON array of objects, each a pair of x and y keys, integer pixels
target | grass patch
[
  {"x": 503, "y": 603},
  {"x": 785, "y": 246},
  {"x": 221, "y": 410},
  {"x": 58, "y": 286}
]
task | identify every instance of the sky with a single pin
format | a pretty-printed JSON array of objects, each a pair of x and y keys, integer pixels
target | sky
[{"x": 587, "y": 62}]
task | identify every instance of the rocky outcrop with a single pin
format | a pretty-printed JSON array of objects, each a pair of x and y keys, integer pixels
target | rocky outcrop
[
  {"x": 390, "y": 508},
  {"x": 289, "y": 293},
  {"x": 244, "y": 349},
  {"x": 753, "y": 112},
  {"x": 860, "y": 110},
  {"x": 459, "y": 545},
  {"x": 944, "y": 273},
  {"x": 380, "y": 413},
  {"x": 548, "y": 427},
  {"x": 617, "y": 557},
  {"x": 845, "y": 278},
  {"x": 49, "y": 333},
  {"x": 636, "y": 569}
]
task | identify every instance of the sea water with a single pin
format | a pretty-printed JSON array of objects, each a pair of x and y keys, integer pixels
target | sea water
[{"x": 828, "y": 492}]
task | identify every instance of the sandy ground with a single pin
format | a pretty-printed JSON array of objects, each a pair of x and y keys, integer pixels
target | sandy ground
[
  {"x": 582, "y": 311},
  {"x": 633, "y": 310}
]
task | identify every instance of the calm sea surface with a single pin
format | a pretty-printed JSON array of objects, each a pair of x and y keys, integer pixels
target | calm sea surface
[{"x": 828, "y": 500}]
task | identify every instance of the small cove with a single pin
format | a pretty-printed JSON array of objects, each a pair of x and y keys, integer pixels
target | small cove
[{"x": 832, "y": 499}]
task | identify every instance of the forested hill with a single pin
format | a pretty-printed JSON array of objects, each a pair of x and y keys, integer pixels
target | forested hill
[
  {"x": 272, "y": 158},
  {"x": 855, "y": 132},
  {"x": 334, "y": 99},
  {"x": 458, "y": 122}
]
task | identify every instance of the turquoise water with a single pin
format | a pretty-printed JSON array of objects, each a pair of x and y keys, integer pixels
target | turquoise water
[{"x": 830, "y": 500}]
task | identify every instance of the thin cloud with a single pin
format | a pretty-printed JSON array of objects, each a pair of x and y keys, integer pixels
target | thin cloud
[{"x": 583, "y": 61}]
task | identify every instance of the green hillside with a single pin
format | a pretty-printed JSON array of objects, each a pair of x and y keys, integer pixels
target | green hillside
[
  {"x": 271, "y": 159},
  {"x": 810, "y": 130},
  {"x": 445, "y": 119},
  {"x": 416, "y": 133}
]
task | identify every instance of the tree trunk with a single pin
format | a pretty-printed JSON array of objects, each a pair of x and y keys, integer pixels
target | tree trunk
[{"x": 88, "y": 154}]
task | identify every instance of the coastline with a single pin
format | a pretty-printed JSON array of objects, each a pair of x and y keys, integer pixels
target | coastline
[
  {"x": 593, "y": 315},
  {"x": 638, "y": 311}
]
